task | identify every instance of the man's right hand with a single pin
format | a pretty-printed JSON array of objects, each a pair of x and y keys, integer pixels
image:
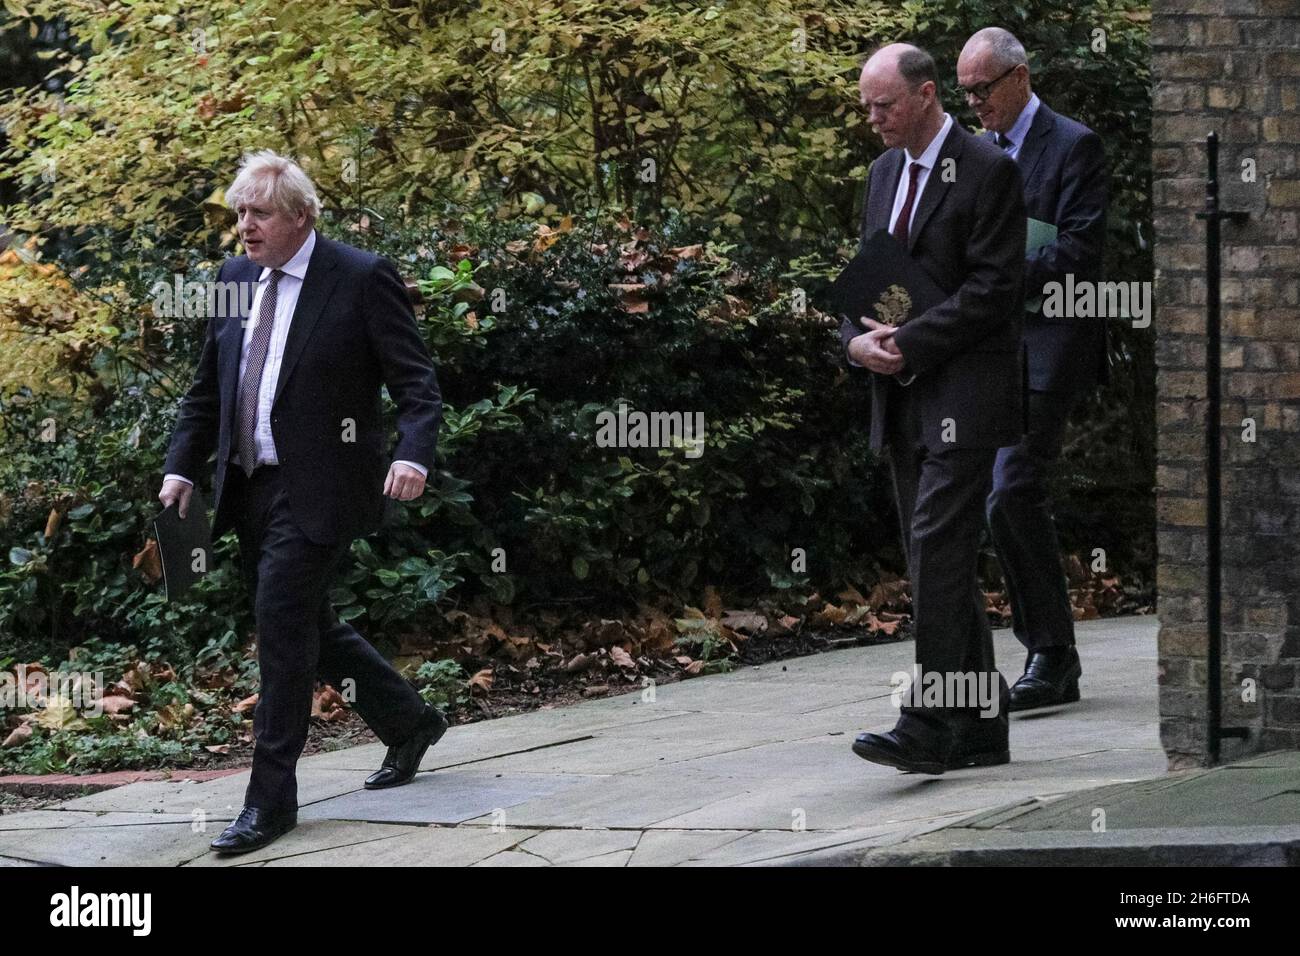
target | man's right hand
[
  {"x": 876, "y": 349},
  {"x": 178, "y": 491}
]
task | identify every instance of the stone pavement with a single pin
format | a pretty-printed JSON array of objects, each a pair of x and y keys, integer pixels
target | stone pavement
[
  {"x": 1241, "y": 814},
  {"x": 752, "y": 767}
]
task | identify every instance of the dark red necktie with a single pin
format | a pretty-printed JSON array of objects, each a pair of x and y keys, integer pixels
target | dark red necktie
[{"x": 904, "y": 217}]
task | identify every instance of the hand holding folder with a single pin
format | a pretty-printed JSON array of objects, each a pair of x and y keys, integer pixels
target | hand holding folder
[
  {"x": 185, "y": 545},
  {"x": 882, "y": 283}
]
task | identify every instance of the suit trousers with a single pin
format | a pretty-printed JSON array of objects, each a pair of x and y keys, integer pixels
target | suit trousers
[
  {"x": 300, "y": 640},
  {"x": 940, "y": 493},
  {"x": 1020, "y": 520}
]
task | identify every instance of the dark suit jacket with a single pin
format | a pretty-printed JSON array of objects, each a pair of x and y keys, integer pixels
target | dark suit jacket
[
  {"x": 1064, "y": 169},
  {"x": 353, "y": 330},
  {"x": 969, "y": 237}
]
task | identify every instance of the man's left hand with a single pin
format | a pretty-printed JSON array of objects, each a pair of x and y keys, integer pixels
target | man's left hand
[{"x": 403, "y": 482}]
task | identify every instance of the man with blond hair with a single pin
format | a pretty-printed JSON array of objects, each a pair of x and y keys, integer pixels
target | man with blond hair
[{"x": 288, "y": 397}]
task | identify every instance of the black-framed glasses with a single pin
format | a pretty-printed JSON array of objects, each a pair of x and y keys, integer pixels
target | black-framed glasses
[{"x": 980, "y": 91}]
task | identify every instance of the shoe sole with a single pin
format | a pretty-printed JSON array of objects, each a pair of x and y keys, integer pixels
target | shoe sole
[
  {"x": 236, "y": 851},
  {"x": 987, "y": 758},
  {"x": 398, "y": 783},
  {"x": 932, "y": 767},
  {"x": 1069, "y": 697}
]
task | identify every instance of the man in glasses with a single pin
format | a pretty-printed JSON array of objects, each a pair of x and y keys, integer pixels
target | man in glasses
[
  {"x": 945, "y": 396},
  {"x": 1063, "y": 168}
]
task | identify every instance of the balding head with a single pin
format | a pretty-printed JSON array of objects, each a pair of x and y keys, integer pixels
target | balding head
[
  {"x": 899, "y": 88},
  {"x": 994, "y": 71},
  {"x": 1002, "y": 46}
]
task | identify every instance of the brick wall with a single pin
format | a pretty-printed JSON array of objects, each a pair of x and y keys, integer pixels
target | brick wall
[{"x": 1232, "y": 66}]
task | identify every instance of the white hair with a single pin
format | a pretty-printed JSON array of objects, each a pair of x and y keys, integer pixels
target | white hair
[
  {"x": 267, "y": 177},
  {"x": 1006, "y": 49}
]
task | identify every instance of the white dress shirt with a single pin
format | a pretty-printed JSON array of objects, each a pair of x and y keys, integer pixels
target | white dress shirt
[
  {"x": 287, "y": 291},
  {"x": 927, "y": 159}
]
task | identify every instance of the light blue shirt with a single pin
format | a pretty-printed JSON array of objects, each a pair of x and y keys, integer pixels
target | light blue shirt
[{"x": 1020, "y": 128}]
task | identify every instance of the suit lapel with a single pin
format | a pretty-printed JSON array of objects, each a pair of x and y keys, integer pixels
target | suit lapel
[
  {"x": 315, "y": 292},
  {"x": 936, "y": 187},
  {"x": 880, "y": 202},
  {"x": 1035, "y": 144},
  {"x": 231, "y": 345}
]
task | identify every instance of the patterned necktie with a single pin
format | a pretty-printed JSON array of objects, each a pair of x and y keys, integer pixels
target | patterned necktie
[
  {"x": 905, "y": 217},
  {"x": 250, "y": 384}
]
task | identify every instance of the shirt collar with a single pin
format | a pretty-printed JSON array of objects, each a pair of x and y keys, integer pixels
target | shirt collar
[
  {"x": 931, "y": 154},
  {"x": 297, "y": 264},
  {"x": 1020, "y": 128}
]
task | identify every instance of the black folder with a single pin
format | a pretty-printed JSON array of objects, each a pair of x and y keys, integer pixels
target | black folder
[
  {"x": 185, "y": 545},
  {"x": 882, "y": 283}
]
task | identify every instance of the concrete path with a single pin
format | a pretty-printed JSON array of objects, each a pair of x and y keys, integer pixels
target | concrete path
[{"x": 752, "y": 767}]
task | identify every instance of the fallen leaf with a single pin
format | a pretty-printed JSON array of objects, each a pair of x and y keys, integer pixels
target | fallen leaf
[
  {"x": 481, "y": 682},
  {"x": 621, "y": 657},
  {"x": 116, "y": 704},
  {"x": 149, "y": 562},
  {"x": 632, "y": 297},
  {"x": 60, "y": 714},
  {"x": 245, "y": 705},
  {"x": 175, "y": 716},
  {"x": 747, "y": 622},
  {"x": 851, "y": 595},
  {"x": 19, "y": 736},
  {"x": 328, "y": 704},
  {"x": 579, "y": 663}
]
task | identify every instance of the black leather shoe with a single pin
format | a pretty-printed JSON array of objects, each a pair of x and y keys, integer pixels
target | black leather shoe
[
  {"x": 254, "y": 829},
  {"x": 897, "y": 748},
  {"x": 1050, "y": 678},
  {"x": 403, "y": 760},
  {"x": 925, "y": 747}
]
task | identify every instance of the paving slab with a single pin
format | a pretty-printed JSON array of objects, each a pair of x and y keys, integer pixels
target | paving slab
[
  {"x": 219, "y": 799},
  {"x": 519, "y": 733},
  {"x": 447, "y": 797},
  {"x": 416, "y": 846},
  {"x": 351, "y": 839},
  {"x": 582, "y": 846},
  {"x": 145, "y": 844}
]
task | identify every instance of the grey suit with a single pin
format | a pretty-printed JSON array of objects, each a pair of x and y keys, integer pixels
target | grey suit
[{"x": 941, "y": 432}]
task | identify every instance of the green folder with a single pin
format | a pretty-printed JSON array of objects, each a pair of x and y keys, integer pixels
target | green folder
[{"x": 1037, "y": 235}]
